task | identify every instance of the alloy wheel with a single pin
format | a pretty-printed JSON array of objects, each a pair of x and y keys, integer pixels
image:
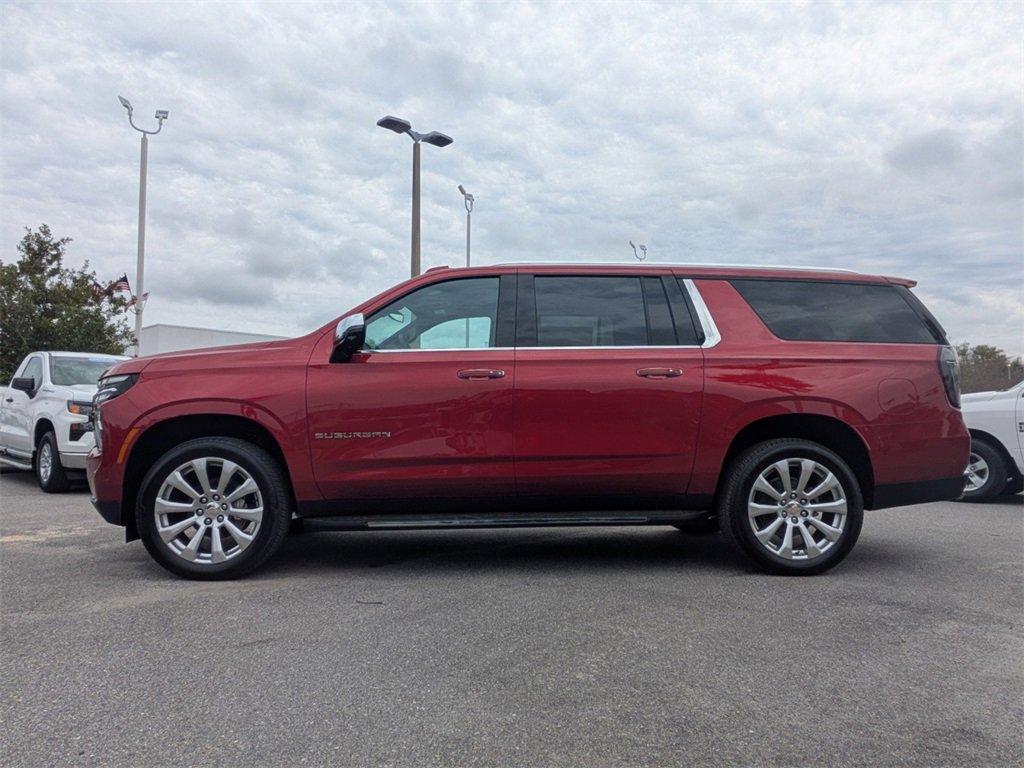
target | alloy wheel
[
  {"x": 45, "y": 462},
  {"x": 208, "y": 510},
  {"x": 797, "y": 509},
  {"x": 976, "y": 472}
]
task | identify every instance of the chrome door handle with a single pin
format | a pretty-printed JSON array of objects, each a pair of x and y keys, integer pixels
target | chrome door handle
[
  {"x": 659, "y": 373},
  {"x": 476, "y": 374}
]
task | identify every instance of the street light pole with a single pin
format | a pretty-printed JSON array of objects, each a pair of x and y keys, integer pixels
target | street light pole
[
  {"x": 398, "y": 125},
  {"x": 140, "y": 261},
  {"x": 415, "y": 259},
  {"x": 468, "y": 199}
]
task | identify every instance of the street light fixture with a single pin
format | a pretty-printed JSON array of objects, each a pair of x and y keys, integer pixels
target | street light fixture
[
  {"x": 468, "y": 200},
  {"x": 161, "y": 115},
  {"x": 398, "y": 125}
]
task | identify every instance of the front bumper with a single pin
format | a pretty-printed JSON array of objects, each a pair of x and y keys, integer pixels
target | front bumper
[
  {"x": 109, "y": 509},
  {"x": 74, "y": 460}
]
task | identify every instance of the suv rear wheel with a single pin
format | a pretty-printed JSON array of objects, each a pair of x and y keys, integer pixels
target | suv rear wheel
[
  {"x": 213, "y": 508},
  {"x": 793, "y": 506}
]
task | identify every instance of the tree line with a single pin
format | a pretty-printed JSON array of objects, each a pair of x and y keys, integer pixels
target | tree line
[{"x": 984, "y": 368}]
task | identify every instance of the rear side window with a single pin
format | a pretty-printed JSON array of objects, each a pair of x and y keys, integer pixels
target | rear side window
[
  {"x": 805, "y": 310},
  {"x": 590, "y": 312}
]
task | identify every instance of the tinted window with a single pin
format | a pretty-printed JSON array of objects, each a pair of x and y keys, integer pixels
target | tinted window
[
  {"x": 683, "y": 314},
  {"x": 590, "y": 312},
  {"x": 457, "y": 314},
  {"x": 821, "y": 311},
  {"x": 660, "y": 330}
]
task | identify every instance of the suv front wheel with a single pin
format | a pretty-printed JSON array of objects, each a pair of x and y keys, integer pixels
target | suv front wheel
[
  {"x": 792, "y": 505},
  {"x": 213, "y": 508}
]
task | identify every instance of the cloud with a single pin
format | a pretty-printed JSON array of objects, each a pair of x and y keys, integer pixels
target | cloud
[
  {"x": 885, "y": 138},
  {"x": 926, "y": 151}
]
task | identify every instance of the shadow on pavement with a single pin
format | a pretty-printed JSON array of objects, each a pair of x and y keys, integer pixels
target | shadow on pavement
[{"x": 533, "y": 550}]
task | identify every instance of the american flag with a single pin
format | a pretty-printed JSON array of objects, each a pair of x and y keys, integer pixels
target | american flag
[{"x": 121, "y": 284}]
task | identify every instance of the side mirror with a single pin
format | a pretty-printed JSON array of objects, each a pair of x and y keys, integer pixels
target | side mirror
[
  {"x": 348, "y": 337},
  {"x": 25, "y": 383}
]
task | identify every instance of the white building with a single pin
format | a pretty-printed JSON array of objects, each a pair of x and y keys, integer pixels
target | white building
[{"x": 161, "y": 337}]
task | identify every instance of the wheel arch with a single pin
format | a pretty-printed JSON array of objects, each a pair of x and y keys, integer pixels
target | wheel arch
[
  {"x": 159, "y": 437},
  {"x": 43, "y": 425},
  {"x": 833, "y": 433}
]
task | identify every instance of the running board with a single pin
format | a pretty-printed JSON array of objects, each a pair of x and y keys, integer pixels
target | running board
[
  {"x": 498, "y": 520},
  {"x": 10, "y": 461}
]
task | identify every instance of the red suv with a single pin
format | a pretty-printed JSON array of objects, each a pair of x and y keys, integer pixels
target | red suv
[{"x": 773, "y": 404}]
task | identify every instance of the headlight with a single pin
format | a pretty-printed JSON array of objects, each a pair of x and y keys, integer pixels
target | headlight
[
  {"x": 79, "y": 409},
  {"x": 110, "y": 387}
]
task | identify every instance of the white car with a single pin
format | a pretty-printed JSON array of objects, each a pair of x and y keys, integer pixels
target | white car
[
  {"x": 44, "y": 414},
  {"x": 996, "y": 423}
]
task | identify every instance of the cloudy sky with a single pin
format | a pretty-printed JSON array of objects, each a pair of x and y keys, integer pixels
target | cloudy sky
[{"x": 884, "y": 138}]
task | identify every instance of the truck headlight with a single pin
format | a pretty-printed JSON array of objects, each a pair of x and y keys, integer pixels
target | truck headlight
[{"x": 79, "y": 409}]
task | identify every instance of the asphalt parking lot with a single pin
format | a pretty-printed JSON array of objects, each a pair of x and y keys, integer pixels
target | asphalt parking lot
[{"x": 588, "y": 646}]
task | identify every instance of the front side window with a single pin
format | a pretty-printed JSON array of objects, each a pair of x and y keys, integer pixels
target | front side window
[
  {"x": 456, "y": 314},
  {"x": 34, "y": 370},
  {"x": 585, "y": 311}
]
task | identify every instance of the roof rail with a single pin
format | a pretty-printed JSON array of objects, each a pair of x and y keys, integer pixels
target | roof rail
[{"x": 559, "y": 263}]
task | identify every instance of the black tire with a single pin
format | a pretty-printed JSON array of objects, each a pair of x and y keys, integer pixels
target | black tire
[
  {"x": 56, "y": 479},
  {"x": 271, "y": 482},
  {"x": 1014, "y": 487},
  {"x": 705, "y": 525},
  {"x": 736, "y": 487},
  {"x": 997, "y": 472}
]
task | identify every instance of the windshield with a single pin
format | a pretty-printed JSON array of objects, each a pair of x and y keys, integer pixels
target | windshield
[{"x": 68, "y": 371}]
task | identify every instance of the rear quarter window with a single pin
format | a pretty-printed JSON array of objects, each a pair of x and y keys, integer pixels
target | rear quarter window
[{"x": 806, "y": 310}]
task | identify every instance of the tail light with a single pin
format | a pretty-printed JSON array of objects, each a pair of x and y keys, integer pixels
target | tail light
[{"x": 949, "y": 370}]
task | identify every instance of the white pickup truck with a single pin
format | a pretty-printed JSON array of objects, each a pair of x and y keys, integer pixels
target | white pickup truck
[
  {"x": 996, "y": 423},
  {"x": 44, "y": 414}
]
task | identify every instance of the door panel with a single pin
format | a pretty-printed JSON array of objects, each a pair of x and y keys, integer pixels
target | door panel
[
  {"x": 425, "y": 410},
  {"x": 587, "y": 424},
  {"x": 402, "y": 425},
  {"x": 16, "y": 426}
]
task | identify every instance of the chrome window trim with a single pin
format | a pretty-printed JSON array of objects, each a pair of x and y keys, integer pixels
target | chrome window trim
[
  {"x": 526, "y": 349},
  {"x": 642, "y": 346},
  {"x": 438, "y": 349},
  {"x": 707, "y": 322}
]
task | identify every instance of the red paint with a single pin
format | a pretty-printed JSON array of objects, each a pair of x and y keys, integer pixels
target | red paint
[{"x": 569, "y": 423}]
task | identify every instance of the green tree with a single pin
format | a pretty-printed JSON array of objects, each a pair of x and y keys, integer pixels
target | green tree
[{"x": 47, "y": 306}]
